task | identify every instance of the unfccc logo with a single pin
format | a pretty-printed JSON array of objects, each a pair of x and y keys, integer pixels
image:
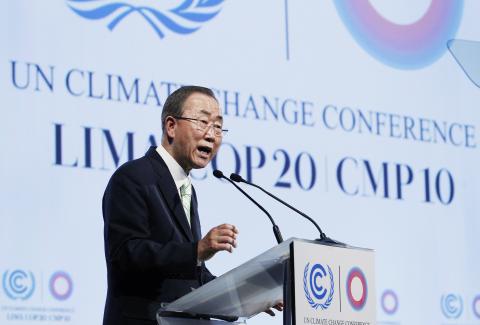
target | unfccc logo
[
  {"x": 18, "y": 284},
  {"x": 357, "y": 290},
  {"x": 318, "y": 286},
  {"x": 452, "y": 306},
  {"x": 61, "y": 285}
]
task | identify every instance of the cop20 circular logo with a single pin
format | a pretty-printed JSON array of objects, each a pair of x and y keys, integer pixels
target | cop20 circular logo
[
  {"x": 18, "y": 284},
  {"x": 404, "y": 46},
  {"x": 61, "y": 285},
  {"x": 476, "y": 306},
  {"x": 357, "y": 290},
  {"x": 318, "y": 286},
  {"x": 389, "y": 302},
  {"x": 452, "y": 306}
]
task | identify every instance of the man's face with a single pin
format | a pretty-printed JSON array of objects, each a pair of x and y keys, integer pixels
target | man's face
[{"x": 192, "y": 147}]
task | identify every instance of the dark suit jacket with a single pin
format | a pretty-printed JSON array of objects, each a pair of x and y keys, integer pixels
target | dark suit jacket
[{"x": 150, "y": 249}]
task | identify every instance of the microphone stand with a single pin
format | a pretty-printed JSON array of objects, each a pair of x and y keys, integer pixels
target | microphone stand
[
  {"x": 323, "y": 237},
  {"x": 276, "y": 230}
]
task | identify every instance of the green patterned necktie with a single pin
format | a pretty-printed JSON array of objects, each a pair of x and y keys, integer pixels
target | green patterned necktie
[{"x": 186, "y": 197}]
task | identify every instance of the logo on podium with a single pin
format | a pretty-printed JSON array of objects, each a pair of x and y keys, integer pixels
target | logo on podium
[
  {"x": 357, "y": 290},
  {"x": 318, "y": 285}
]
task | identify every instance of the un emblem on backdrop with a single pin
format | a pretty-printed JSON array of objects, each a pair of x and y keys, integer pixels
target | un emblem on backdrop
[
  {"x": 452, "y": 306},
  {"x": 18, "y": 284},
  {"x": 185, "y": 17},
  {"x": 318, "y": 286}
]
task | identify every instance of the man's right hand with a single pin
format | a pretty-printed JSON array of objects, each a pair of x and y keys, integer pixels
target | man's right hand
[{"x": 220, "y": 238}]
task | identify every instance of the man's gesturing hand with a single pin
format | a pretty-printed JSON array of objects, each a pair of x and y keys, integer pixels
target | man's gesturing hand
[
  {"x": 220, "y": 238},
  {"x": 278, "y": 306}
]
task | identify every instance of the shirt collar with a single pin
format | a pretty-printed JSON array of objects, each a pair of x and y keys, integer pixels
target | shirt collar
[{"x": 177, "y": 172}]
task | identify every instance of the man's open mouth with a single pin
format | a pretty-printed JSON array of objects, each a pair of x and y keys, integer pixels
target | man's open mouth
[{"x": 205, "y": 149}]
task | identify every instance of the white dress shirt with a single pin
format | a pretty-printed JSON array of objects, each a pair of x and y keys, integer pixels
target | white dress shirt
[{"x": 177, "y": 172}]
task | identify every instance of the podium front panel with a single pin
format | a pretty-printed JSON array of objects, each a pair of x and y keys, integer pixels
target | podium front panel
[{"x": 332, "y": 285}]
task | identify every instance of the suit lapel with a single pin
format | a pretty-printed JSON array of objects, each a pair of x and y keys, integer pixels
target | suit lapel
[{"x": 169, "y": 191}]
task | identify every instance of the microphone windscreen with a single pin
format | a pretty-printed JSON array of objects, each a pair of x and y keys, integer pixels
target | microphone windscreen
[
  {"x": 236, "y": 178},
  {"x": 217, "y": 173}
]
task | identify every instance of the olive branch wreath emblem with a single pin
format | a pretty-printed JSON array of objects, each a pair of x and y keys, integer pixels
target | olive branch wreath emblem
[
  {"x": 312, "y": 303},
  {"x": 184, "y": 18}
]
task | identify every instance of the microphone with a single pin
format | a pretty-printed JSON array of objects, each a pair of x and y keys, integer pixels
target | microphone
[
  {"x": 276, "y": 231},
  {"x": 323, "y": 238}
]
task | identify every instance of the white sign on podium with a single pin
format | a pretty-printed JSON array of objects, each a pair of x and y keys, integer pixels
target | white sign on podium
[{"x": 332, "y": 285}]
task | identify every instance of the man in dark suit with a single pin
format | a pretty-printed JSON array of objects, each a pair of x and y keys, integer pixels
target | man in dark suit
[{"x": 153, "y": 245}]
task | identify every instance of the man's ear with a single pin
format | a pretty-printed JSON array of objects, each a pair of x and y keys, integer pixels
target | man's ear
[{"x": 170, "y": 126}]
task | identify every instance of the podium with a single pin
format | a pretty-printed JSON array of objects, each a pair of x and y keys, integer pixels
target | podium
[{"x": 319, "y": 283}]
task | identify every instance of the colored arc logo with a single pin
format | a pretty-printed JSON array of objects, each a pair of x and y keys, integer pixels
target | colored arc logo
[
  {"x": 185, "y": 18},
  {"x": 410, "y": 46},
  {"x": 476, "y": 306},
  {"x": 61, "y": 285},
  {"x": 358, "y": 299},
  {"x": 389, "y": 302}
]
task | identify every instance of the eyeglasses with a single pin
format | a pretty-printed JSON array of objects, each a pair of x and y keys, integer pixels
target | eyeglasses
[{"x": 204, "y": 125}]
